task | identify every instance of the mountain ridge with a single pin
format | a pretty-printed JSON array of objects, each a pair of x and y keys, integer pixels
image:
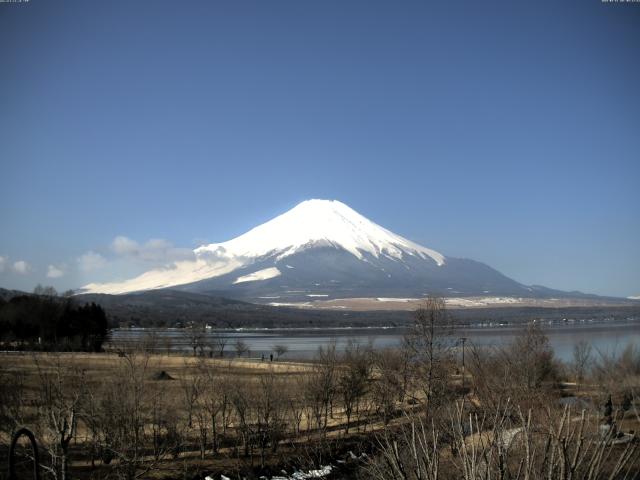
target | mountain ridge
[{"x": 325, "y": 249}]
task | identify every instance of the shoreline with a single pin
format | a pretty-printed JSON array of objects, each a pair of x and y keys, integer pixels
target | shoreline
[{"x": 387, "y": 329}]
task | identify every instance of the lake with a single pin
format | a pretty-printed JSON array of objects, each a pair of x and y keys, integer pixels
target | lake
[{"x": 607, "y": 337}]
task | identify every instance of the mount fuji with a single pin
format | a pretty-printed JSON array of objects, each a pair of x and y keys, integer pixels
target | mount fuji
[{"x": 323, "y": 249}]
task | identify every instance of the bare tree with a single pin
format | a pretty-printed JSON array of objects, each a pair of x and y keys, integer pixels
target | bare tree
[
  {"x": 167, "y": 343},
  {"x": 221, "y": 343},
  {"x": 201, "y": 413},
  {"x": 241, "y": 401},
  {"x": 60, "y": 391},
  {"x": 45, "y": 291},
  {"x": 215, "y": 402},
  {"x": 280, "y": 350},
  {"x": 532, "y": 358},
  {"x": 324, "y": 388},
  {"x": 166, "y": 434},
  {"x": 12, "y": 405},
  {"x": 241, "y": 347},
  {"x": 269, "y": 412},
  {"x": 391, "y": 381},
  {"x": 508, "y": 444},
  {"x": 410, "y": 454},
  {"x": 191, "y": 388},
  {"x": 196, "y": 336},
  {"x": 123, "y": 411},
  {"x": 353, "y": 379},
  {"x": 150, "y": 342},
  {"x": 296, "y": 402},
  {"x": 215, "y": 343},
  {"x": 430, "y": 343},
  {"x": 581, "y": 359}
]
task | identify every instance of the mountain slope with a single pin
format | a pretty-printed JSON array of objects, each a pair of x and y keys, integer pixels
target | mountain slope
[
  {"x": 330, "y": 272},
  {"x": 309, "y": 225},
  {"x": 323, "y": 249}
]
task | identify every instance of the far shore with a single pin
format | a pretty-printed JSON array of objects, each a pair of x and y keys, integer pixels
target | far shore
[{"x": 477, "y": 302}]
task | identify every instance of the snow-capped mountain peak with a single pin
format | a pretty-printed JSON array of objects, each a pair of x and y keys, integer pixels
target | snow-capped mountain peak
[
  {"x": 310, "y": 224},
  {"x": 320, "y": 222}
]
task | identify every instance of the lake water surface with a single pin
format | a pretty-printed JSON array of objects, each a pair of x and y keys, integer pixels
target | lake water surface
[{"x": 606, "y": 337}]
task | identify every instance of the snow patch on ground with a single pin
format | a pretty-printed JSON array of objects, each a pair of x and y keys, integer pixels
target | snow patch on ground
[
  {"x": 284, "y": 304},
  {"x": 461, "y": 301},
  {"x": 480, "y": 301},
  {"x": 383, "y": 299},
  {"x": 322, "y": 472}
]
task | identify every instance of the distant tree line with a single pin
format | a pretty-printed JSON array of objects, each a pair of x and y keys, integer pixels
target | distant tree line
[{"x": 48, "y": 321}]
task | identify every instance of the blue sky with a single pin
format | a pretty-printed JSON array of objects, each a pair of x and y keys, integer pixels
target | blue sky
[{"x": 507, "y": 132}]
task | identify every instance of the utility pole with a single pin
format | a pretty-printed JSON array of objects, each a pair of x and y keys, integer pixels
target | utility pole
[{"x": 463, "y": 340}]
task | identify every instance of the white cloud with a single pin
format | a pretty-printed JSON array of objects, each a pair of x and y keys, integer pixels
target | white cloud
[
  {"x": 3, "y": 262},
  {"x": 122, "y": 245},
  {"x": 127, "y": 255},
  {"x": 55, "y": 272},
  {"x": 91, "y": 261},
  {"x": 158, "y": 244},
  {"x": 21, "y": 267},
  {"x": 214, "y": 257},
  {"x": 156, "y": 251}
]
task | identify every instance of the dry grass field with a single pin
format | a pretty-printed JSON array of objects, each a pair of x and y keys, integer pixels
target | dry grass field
[
  {"x": 133, "y": 414},
  {"x": 244, "y": 398}
]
